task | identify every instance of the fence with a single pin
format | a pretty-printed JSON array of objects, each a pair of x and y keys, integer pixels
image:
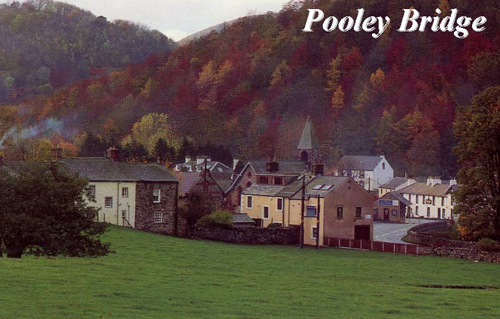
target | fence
[{"x": 405, "y": 249}]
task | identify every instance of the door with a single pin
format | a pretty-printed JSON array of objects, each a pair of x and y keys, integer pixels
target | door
[
  {"x": 362, "y": 232},
  {"x": 386, "y": 214}
]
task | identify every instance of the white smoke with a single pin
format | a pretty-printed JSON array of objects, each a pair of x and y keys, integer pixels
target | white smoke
[{"x": 46, "y": 127}]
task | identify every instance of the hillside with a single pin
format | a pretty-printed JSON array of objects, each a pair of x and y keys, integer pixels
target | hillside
[
  {"x": 46, "y": 45},
  {"x": 251, "y": 86},
  {"x": 197, "y": 35},
  {"x": 155, "y": 276}
]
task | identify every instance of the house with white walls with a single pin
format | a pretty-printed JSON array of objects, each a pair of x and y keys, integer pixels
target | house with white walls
[
  {"x": 368, "y": 171},
  {"x": 432, "y": 199}
]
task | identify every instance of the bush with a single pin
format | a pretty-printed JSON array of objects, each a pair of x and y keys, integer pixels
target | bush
[
  {"x": 222, "y": 219},
  {"x": 487, "y": 244}
]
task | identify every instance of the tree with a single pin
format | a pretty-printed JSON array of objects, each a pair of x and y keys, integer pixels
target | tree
[
  {"x": 50, "y": 220},
  {"x": 163, "y": 151},
  {"x": 477, "y": 128},
  {"x": 150, "y": 128}
]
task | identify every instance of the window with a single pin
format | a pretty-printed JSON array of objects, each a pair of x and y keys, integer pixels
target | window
[
  {"x": 416, "y": 210},
  {"x": 108, "y": 202},
  {"x": 249, "y": 202},
  {"x": 394, "y": 213},
  {"x": 383, "y": 165},
  {"x": 362, "y": 184},
  {"x": 442, "y": 201},
  {"x": 249, "y": 174},
  {"x": 433, "y": 200},
  {"x": 279, "y": 204},
  {"x": 358, "y": 212},
  {"x": 91, "y": 191},
  {"x": 248, "y": 184},
  {"x": 444, "y": 213},
  {"x": 310, "y": 211},
  {"x": 265, "y": 212},
  {"x": 416, "y": 199},
  {"x": 428, "y": 212},
  {"x": 156, "y": 195},
  {"x": 158, "y": 218},
  {"x": 314, "y": 233},
  {"x": 125, "y": 192},
  {"x": 278, "y": 181},
  {"x": 361, "y": 174},
  {"x": 263, "y": 180},
  {"x": 340, "y": 212}
]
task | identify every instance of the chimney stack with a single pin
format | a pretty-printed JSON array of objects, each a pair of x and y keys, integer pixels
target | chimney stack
[
  {"x": 56, "y": 153},
  {"x": 112, "y": 153},
  {"x": 319, "y": 167},
  {"x": 272, "y": 165}
]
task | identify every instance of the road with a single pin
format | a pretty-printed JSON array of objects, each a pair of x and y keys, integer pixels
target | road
[{"x": 391, "y": 232}]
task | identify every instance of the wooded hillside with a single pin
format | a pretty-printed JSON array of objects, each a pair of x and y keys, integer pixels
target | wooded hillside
[
  {"x": 45, "y": 45},
  {"x": 251, "y": 87}
]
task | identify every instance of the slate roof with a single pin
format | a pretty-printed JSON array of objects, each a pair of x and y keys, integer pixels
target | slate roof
[
  {"x": 223, "y": 180},
  {"x": 284, "y": 167},
  {"x": 332, "y": 181},
  {"x": 395, "y": 182},
  {"x": 186, "y": 181},
  {"x": 103, "y": 169},
  {"x": 242, "y": 219},
  {"x": 308, "y": 140},
  {"x": 263, "y": 190},
  {"x": 396, "y": 196},
  {"x": 424, "y": 189},
  {"x": 367, "y": 163}
]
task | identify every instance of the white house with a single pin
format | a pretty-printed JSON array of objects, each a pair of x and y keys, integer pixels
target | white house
[
  {"x": 369, "y": 171},
  {"x": 198, "y": 165},
  {"x": 433, "y": 199},
  {"x": 395, "y": 185}
]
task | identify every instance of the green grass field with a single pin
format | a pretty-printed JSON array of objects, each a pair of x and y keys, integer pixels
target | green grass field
[{"x": 154, "y": 276}]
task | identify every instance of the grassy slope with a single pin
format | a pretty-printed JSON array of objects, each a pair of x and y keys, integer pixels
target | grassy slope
[{"x": 153, "y": 276}]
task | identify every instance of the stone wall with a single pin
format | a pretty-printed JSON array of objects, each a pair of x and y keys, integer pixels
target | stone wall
[
  {"x": 250, "y": 236},
  {"x": 146, "y": 208},
  {"x": 430, "y": 236}
]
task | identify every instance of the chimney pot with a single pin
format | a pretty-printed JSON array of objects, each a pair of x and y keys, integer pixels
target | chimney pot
[{"x": 112, "y": 153}]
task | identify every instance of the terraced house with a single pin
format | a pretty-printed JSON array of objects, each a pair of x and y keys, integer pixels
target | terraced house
[
  {"x": 333, "y": 207},
  {"x": 137, "y": 195},
  {"x": 432, "y": 199}
]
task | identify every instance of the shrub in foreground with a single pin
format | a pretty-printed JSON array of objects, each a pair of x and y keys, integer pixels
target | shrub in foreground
[{"x": 222, "y": 219}]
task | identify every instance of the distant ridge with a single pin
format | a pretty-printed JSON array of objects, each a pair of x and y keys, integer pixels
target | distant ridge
[{"x": 195, "y": 36}]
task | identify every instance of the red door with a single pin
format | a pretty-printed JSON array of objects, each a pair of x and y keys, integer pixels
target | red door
[{"x": 386, "y": 214}]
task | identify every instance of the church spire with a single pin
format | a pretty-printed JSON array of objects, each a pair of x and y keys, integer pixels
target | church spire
[
  {"x": 308, "y": 140},
  {"x": 308, "y": 144}
]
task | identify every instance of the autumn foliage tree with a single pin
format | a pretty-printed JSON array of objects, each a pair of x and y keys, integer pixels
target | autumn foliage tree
[{"x": 478, "y": 130}]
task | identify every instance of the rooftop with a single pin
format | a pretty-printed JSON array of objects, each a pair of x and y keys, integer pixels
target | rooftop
[
  {"x": 367, "y": 163},
  {"x": 424, "y": 189},
  {"x": 396, "y": 182}
]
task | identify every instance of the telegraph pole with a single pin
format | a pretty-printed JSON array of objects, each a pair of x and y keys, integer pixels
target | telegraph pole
[
  {"x": 317, "y": 221},
  {"x": 302, "y": 212}
]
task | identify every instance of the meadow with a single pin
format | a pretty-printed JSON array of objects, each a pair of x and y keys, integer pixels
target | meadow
[{"x": 155, "y": 276}]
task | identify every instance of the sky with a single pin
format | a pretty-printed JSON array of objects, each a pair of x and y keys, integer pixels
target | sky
[{"x": 177, "y": 18}]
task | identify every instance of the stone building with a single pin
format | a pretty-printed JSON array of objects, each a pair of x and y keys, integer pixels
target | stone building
[{"x": 136, "y": 195}]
